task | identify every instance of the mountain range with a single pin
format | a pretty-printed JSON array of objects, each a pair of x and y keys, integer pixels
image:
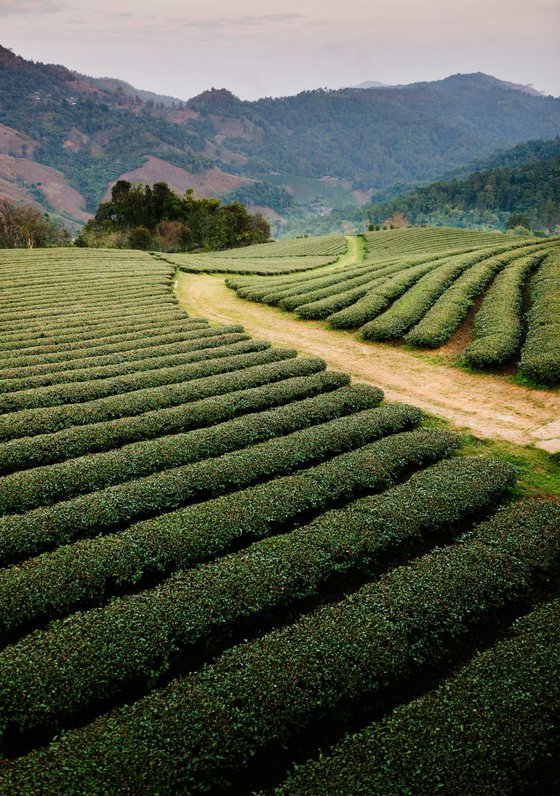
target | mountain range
[{"x": 65, "y": 138}]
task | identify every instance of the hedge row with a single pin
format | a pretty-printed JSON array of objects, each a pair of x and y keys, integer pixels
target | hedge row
[
  {"x": 56, "y": 340},
  {"x": 55, "y": 418},
  {"x": 540, "y": 356},
  {"x": 323, "y": 308},
  {"x": 209, "y": 338},
  {"x": 297, "y": 247},
  {"x": 368, "y": 274},
  {"x": 84, "y": 573},
  {"x": 43, "y": 486},
  {"x": 25, "y": 535},
  {"x": 84, "y": 305},
  {"x": 192, "y": 735},
  {"x": 81, "y": 392},
  {"x": 60, "y": 322},
  {"x": 443, "y": 317},
  {"x": 89, "y": 333},
  {"x": 270, "y": 284},
  {"x": 94, "y": 298},
  {"x": 111, "y": 343},
  {"x": 498, "y": 325},
  {"x": 377, "y": 299},
  {"x": 252, "y": 389},
  {"x": 86, "y": 363},
  {"x": 481, "y": 732},
  {"x": 290, "y": 303},
  {"x": 275, "y": 294},
  {"x": 413, "y": 305},
  {"x": 134, "y": 638},
  {"x": 258, "y": 266}
]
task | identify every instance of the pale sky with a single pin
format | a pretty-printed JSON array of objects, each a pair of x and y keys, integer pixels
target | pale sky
[{"x": 281, "y": 47}]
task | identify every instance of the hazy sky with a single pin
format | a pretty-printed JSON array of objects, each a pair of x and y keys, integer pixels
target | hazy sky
[{"x": 281, "y": 47}]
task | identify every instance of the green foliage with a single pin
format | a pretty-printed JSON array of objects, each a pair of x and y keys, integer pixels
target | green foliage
[
  {"x": 540, "y": 359},
  {"x": 43, "y": 486},
  {"x": 101, "y": 512},
  {"x": 264, "y": 194},
  {"x": 427, "y": 746},
  {"x": 184, "y": 538},
  {"x": 498, "y": 329},
  {"x": 525, "y": 197},
  {"x": 238, "y": 393},
  {"x": 155, "y": 217},
  {"x": 197, "y": 605},
  {"x": 282, "y": 257},
  {"x": 193, "y": 734},
  {"x": 445, "y": 315},
  {"x": 217, "y": 363}
]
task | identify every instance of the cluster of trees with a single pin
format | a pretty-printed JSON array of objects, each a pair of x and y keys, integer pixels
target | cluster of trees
[
  {"x": 23, "y": 226},
  {"x": 154, "y": 217}
]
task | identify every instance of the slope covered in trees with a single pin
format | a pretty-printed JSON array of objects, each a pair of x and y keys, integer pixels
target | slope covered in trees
[{"x": 530, "y": 192}]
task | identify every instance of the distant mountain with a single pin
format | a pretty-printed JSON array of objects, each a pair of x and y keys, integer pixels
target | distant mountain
[
  {"x": 65, "y": 138},
  {"x": 482, "y": 79},
  {"x": 371, "y": 84},
  {"x": 115, "y": 86}
]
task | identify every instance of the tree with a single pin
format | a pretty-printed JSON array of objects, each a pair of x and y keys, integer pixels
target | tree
[
  {"x": 140, "y": 238},
  {"x": 23, "y": 226},
  {"x": 517, "y": 220}
]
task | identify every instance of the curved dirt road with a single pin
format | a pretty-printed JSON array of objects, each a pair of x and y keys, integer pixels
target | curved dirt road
[{"x": 487, "y": 406}]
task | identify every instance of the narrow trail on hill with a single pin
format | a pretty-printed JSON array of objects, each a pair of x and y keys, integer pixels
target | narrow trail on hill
[{"x": 486, "y": 405}]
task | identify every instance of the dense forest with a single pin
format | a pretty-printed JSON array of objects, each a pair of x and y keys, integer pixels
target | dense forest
[{"x": 484, "y": 199}]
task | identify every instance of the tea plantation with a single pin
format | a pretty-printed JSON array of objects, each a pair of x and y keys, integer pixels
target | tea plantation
[
  {"x": 224, "y": 568},
  {"x": 418, "y": 286}
]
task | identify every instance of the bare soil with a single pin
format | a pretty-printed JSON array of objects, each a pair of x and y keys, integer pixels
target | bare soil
[
  {"x": 211, "y": 182},
  {"x": 487, "y": 406}
]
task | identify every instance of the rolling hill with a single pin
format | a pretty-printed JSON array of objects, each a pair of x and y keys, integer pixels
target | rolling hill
[{"x": 318, "y": 150}]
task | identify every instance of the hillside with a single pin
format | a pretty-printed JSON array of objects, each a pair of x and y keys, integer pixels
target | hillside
[
  {"x": 481, "y": 194},
  {"x": 485, "y": 198},
  {"x": 315, "y": 151}
]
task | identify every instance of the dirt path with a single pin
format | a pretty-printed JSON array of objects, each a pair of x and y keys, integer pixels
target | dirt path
[{"x": 488, "y": 406}]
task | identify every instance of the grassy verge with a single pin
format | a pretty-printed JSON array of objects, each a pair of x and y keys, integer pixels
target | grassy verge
[{"x": 539, "y": 471}]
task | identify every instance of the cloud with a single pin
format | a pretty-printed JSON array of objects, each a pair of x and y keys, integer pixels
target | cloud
[{"x": 9, "y": 8}]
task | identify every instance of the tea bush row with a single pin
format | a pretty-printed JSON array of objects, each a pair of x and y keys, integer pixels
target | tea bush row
[
  {"x": 540, "y": 355},
  {"x": 483, "y": 731},
  {"x": 86, "y": 572},
  {"x": 134, "y": 638},
  {"x": 194, "y": 734},
  {"x": 246, "y": 391},
  {"x": 41, "y": 486},
  {"x": 211, "y": 380},
  {"x": 26, "y": 535},
  {"x": 215, "y": 337},
  {"x": 498, "y": 325}
]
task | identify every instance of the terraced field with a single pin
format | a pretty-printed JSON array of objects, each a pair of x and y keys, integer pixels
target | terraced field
[
  {"x": 219, "y": 558},
  {"x": 419, "y": 286}
]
